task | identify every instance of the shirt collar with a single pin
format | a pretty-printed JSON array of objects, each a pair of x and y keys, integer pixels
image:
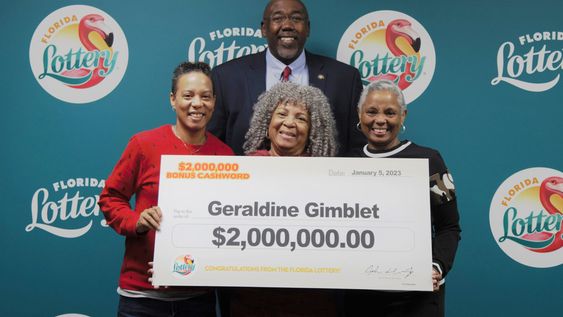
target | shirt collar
[
  {"x": 275, "y": 65},
  {"x": 386, "y": 153}
]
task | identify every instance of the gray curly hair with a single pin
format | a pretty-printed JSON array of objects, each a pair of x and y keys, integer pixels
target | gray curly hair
[
  {"x": 322, "y": 132},
  {"x": 383, "y": 84}
]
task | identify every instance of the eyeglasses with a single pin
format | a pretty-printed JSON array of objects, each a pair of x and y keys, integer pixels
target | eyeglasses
[{"x": 279, "y": 18}]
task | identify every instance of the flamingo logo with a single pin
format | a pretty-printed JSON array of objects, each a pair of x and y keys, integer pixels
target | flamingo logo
[
  {"x": 526, "y": 217},
  {"x": 390, "y": 45},
  {"x": 78, "y": 54},
  {"x": 184, "y": 265}
]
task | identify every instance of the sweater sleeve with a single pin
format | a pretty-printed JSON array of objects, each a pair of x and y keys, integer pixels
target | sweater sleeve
[
  {"x": 446, "y": 235},
  {"x": 445, "y": 217},
  {"x": 119, "y": 188}
]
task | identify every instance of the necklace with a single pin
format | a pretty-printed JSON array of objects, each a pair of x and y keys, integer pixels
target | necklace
[{"x": 193, "y": 149}]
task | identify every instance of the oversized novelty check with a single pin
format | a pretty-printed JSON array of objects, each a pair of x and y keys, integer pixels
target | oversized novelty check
[{"x": 355, "y": 223}]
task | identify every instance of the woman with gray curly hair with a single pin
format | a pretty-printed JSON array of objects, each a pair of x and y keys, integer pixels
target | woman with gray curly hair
[
  {"x": 288, "y": 120},
  {"x": 292, "y": 120}
]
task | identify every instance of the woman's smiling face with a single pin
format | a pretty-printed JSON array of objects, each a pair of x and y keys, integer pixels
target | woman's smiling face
[
  {"x": 381, "y": 118},
  {"x": 289, "y": 129},
  {"x": 193, "y": 101}
]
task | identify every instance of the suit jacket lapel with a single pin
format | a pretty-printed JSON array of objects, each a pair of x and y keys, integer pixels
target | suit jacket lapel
[
  {"x": 317, "y": 77},
  {"x": 256, "y": 76}
]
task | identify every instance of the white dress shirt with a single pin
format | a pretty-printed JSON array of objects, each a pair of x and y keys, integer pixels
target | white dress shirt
[{"x": 274, "y": 69}]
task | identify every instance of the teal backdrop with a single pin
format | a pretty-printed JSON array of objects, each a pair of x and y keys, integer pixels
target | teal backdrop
[{"x": 56, "y": 153}]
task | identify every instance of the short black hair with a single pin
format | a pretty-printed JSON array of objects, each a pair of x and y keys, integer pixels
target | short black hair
[
  {"x": 188, "y": 67},
  {"x": 271, "y": 2}
]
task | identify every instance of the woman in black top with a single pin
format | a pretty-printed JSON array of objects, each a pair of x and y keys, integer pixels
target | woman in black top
[{"x": 382, "y": 112}]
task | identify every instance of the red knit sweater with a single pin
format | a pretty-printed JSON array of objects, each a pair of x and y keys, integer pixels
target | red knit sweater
[{"x": 137, "y": 173}]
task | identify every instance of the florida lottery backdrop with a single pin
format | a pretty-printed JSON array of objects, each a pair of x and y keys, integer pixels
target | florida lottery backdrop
[{"x": 486, "y": 90}]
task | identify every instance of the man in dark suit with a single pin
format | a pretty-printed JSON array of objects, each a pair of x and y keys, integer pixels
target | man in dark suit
[{"x": 239, "y": 82}]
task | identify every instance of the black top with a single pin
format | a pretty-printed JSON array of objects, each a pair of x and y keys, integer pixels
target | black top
[{"x": 444, "y": 214}]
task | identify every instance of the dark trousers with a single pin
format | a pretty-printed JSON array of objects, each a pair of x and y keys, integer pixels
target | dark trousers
[
  {"x": 394, "y": 304},
  {"x": 200, "y": 306},
  {"x": 277, "y": 302}
]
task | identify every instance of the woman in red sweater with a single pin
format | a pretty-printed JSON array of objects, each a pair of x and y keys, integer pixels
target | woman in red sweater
[{"x": 137, "y": 173}]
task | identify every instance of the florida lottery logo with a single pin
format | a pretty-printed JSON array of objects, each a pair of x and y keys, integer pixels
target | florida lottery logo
[
  {"x": 222, "y": 45},
  {"x": 532, "y": 62},
  {"x": 526, "y": 217},
  {"x": 78, "y": 54},
  {"x": 390, "y": 45},
  {"x": 184, "y": 265}
]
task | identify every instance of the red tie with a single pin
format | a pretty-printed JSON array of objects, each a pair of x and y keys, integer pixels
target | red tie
[{"x": 285, "y": 74}]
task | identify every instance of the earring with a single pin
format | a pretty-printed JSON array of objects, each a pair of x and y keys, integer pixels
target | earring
[
  {"x": 173, "y": 109},
  {"x": 359, "y": 127},
  {"x": 403, "y": 128}
]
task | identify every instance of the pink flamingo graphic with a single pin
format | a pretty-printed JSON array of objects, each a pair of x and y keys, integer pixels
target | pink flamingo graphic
[
  {"x": 88, "y": 24},
  {"x": 396, "y": 29},
  {"x": 550, "y": 186}
]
